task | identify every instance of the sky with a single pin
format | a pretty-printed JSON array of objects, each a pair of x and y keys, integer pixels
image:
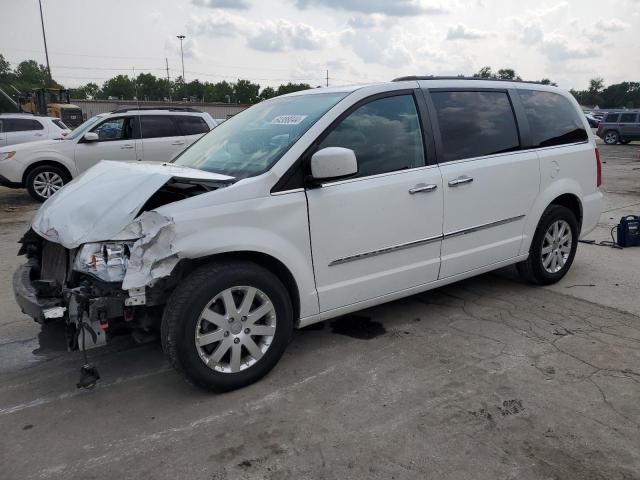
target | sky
[{"x": 357, "y": 41}]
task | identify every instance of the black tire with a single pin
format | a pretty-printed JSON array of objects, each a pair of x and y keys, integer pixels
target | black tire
[
  {"x": 611, "y": 137},
  {"x": 532, "y": 269},
  {"x": 47, "y": 170},
  {"x": 186, "y": 304}
]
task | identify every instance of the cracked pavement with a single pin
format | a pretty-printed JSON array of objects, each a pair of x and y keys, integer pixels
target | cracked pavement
[{"x": 488, "y": 378}]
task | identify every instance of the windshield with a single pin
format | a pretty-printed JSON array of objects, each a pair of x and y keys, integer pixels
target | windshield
[
  {"x": 249, "y": 143},
  {"x": 83, "y": 127}
]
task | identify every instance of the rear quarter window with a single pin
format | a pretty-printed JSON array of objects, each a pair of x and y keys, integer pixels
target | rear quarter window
[
  {"x": 191, "y": 125},
  {"x": 553, "y": 120}
]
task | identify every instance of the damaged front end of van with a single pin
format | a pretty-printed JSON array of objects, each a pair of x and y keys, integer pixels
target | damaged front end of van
[{"x": 100, "y": 257}]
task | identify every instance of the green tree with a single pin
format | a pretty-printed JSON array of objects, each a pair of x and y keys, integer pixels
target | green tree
[
  {"x": 219, "y": 92},
  {"x": 246, "y": 91},
  {"x": 5, "y": 68},
  {"x": 507, "y": 74},
  {"x": 292, "y": 87},
  {"x": 484, "y": 72},
  {"x": 147, "y": 86},
  {"x": 30, "y": 74},
  {"x": 90, "y": 90},
  {"x": 267, "y": 93},
  {"x": 120, "y": 86}
]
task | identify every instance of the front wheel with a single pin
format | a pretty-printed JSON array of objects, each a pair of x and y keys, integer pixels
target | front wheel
[
  {"x": 611, "y": 137},
  {"x": 227, "y": 325},
  {"x": 553, "y": 247},
  {"x": 42, "y": 182}
]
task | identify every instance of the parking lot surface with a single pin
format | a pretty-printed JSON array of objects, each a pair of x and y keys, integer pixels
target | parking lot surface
[{"x": 485, "y": 379}]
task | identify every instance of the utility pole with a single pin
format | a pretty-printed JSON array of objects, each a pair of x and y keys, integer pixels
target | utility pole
[
  {"x": 182, "y": 37},
  {"x": 44, "y": 37},
  {"x": 166, "y": 61},
  {"x": 327, "y": 78}
]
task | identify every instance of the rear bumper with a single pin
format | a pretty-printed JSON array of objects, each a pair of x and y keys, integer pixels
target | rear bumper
[
  {"x": 26, "y": 297},
  {"x": 591, "y": 209}
]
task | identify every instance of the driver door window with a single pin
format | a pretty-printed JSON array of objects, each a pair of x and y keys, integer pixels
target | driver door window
[
  {"x": 114, "y": 129},
  {"x": 385, "y": 135},
  {"x": 115, "y": 142}
]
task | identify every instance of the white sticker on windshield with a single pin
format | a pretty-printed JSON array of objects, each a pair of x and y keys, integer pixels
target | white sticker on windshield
[{"x": 288, "y": 119}]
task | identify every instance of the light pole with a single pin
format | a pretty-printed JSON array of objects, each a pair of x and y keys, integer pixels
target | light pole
[{"x": 182, "y": 37}]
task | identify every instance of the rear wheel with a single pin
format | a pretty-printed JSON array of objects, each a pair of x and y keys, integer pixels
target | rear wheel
[
  {"x": 553, "y": 247},
  {"x": 227, "y": 325},
  {"x": 611, "y": 137},
  {"x": 42, "y": 182}
]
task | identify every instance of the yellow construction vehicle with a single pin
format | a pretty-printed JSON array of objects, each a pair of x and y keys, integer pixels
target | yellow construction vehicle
[{"x": 53, "y": 102}]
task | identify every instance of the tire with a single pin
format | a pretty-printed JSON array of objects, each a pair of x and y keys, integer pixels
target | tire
[
  {"x": 534, "y": 269},
  {"x": 183, "y": 323},
  {"x": 44, "y": 181},
  {"x": 611, "y": 137}
]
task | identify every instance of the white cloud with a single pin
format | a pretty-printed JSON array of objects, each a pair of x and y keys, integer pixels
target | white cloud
[
  {"x": 191, "y": 48},
  {"x": 399, "y": 8},
  {"x": 268, "y": 36},
  {"x": 234, "y": 4},
  {"x": 558, "y": 48},
  {"x": 612, "y": 25},
  {"x": 461, "y": 32},
  {"x": 373, "y": 20},
  {"x": 281, "y": 35}
]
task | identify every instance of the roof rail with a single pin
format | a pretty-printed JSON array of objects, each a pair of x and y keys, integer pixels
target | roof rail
[
  {"x": 435, "y": 77},
  {"x": 170, "y": 109}
]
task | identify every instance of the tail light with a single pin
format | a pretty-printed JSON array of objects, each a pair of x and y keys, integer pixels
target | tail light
[{"x": 598, "y": 169}]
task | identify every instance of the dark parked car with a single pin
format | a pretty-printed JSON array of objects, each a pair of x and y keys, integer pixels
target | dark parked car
[{"x": 620, "y": 127}]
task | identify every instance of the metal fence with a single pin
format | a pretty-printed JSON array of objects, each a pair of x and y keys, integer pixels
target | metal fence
[{"x": 216, "y": 110}]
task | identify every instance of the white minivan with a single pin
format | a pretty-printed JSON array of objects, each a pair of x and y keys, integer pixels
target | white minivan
[
  {"x": 309, "y": 206},
  {"x": 153, "y": 134}
]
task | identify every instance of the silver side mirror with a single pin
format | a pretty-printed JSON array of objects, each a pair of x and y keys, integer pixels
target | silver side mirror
[
  {"x": 91, "y": 136},
  {"x": 333, "y": 163}
]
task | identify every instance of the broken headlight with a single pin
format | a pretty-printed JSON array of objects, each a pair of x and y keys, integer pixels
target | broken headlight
[{"x": 106, "y": 260}]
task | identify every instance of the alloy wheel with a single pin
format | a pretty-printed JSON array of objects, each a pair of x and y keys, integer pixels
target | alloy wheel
[
  {"x": 46, "y": 184},
  {"x": 610, "y": 138},
  {"x": 235, "y": 329},
  {"x": 556, "y": 246}
]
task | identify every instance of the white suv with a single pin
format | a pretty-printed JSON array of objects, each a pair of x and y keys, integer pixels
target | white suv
[
  {"x": 22, "y": 127},
  {"x": 130, "y": 134},
  {"x": 309, "y": 206}
]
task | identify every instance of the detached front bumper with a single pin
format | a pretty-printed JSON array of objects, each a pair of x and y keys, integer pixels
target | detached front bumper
[{"x": 26, "y": 296}]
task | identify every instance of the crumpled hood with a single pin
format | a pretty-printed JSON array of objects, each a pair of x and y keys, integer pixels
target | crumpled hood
[{"x": 101, "y": 202}]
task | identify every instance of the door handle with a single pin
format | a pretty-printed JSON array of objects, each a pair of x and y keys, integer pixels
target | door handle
[
  {"x": 126, "y": 147},
  {"x": 460, "y": 181},
  {"x": 37, "y": 134},
  {"x": 177, "y": 143},
  {"x": 422, "y": 187}
]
